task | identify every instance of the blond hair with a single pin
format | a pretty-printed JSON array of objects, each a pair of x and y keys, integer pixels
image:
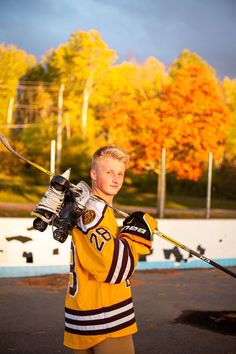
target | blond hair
[{"x": 112, "y": 151}]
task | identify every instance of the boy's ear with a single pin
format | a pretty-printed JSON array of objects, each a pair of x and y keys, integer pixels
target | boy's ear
[{"x": 93, "y": 174}]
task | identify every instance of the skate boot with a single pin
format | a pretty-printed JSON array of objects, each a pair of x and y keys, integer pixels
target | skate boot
[
  {"x": 74, "y": 205},
  {"x": 82, "y": 194},
  {"x": 52, "y": 201}
]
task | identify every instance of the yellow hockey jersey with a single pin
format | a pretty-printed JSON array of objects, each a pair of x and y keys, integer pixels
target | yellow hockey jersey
[{"x": 98, "y": 302}]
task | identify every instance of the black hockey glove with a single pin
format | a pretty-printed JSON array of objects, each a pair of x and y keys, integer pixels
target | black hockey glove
[{"x": 139, "y": 227}]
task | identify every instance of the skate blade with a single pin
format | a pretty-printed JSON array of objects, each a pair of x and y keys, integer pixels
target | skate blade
[{"x": 33, "y": 213}]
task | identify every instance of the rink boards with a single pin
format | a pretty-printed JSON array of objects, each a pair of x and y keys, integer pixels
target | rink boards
[{"x": 27, "y": 252}]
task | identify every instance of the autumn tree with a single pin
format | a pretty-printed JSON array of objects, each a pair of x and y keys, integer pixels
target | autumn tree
[
  {"x": 80, "y": 64},
  {"x": 183, "y": 112},
  {"x": 229, "y": 87},
  {"x": 186, "y": 115},
  {"x": 37, "y": 109},
  {"x": 14, "y": 63},
  {"x": 128, "y": 115},
  {"x": 193, "y": 115}
]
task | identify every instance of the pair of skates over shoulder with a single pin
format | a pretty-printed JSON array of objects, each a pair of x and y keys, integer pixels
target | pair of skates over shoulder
[{"x": 61, "y": 206}]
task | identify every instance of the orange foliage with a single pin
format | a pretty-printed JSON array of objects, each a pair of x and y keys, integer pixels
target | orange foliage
[
  {"x": 130, "y": 118},
  {"x": 194, "y": 99},
  {"x": 187, "y": 116}
]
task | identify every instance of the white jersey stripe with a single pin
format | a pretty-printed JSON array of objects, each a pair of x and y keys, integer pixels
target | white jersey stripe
[
  {"x": 100, "y": 326},
  {"x": 101, "y": 315},
  {"x": 119, "y": 263}
]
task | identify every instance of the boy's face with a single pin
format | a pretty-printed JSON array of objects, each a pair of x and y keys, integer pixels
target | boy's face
[{"x": 107, "y": 177}]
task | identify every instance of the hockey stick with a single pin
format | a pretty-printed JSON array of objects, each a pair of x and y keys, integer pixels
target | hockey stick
[
  {"x": 124, "y": 214},
  {"x": 185, "y": 248},
  {"x": 196, "y": 254},
  {"x": 5, "y": 142}
]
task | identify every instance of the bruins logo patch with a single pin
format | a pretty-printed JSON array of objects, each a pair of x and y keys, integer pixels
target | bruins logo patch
[{"x": 88, "y": 217}]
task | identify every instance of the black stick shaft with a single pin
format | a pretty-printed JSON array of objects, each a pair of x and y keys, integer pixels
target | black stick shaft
[
  {"x": 185, "y": 248},
  {"x": 196, "y": 254},
  {"x": 4, "y": 141}
]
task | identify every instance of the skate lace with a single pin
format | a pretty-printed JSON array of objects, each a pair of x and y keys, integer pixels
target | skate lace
[{"x": 52, "y": 200}]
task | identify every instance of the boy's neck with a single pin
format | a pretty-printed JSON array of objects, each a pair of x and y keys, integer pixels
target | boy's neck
[{"x": 108, "y": 198}]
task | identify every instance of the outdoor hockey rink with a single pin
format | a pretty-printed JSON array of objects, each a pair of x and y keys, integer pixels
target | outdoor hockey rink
[{"x": 28, "y": 252}]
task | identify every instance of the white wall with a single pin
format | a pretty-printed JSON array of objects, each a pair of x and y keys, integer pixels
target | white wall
[{"x": 216, "y": 238}]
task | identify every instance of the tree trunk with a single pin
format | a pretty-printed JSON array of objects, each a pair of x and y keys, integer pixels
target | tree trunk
[{"x": 86, "y": 95}]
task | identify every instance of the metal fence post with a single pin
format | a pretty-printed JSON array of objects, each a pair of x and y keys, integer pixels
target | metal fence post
[
  {"x": 162, "y": 180},
  {"x": 209, "y": 185},
  {"x": 59, "y": 126}
]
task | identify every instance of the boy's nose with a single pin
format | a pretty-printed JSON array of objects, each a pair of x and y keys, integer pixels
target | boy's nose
[{"x": 115, "y": 178}]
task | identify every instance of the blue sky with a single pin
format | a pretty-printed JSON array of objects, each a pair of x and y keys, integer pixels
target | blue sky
[{"x": 139, "y": 28}]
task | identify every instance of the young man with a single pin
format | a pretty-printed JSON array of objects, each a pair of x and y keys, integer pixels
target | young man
[{"x": 99, "y": 313}]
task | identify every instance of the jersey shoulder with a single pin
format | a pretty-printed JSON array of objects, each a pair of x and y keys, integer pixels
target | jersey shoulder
[{"x": 92, "y": 216}]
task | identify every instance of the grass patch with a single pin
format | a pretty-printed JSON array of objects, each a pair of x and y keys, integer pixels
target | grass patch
[
  {"x": 130, "y": 196},
  {"x": 19, "y": 194},
  {"x": 21, "y": 191},
  {"x": 27, "y": 193}
]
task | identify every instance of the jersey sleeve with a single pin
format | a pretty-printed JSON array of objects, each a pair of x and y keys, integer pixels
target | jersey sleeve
[{"x": 107, "y": 257}]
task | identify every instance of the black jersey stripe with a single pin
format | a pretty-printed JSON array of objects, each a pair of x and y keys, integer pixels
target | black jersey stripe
[
  {"x": 101, "y": 320},
  {"x": 106, "y": 323},
  {"x": 119, "y": 262},
  {"x": 99, "y": 310}
]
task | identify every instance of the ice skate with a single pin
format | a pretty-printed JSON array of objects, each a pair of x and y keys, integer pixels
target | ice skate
[
  {"x": 75, "y": 202},
  {"x": 52, "y": 201},
  {"x": 82, "y": 194}
]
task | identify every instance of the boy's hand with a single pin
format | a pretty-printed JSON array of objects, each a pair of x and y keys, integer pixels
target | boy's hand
[{"x": 139, "y": 224}]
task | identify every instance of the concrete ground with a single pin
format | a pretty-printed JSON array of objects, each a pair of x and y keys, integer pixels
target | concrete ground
[{"x": 32, "y": 313}]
